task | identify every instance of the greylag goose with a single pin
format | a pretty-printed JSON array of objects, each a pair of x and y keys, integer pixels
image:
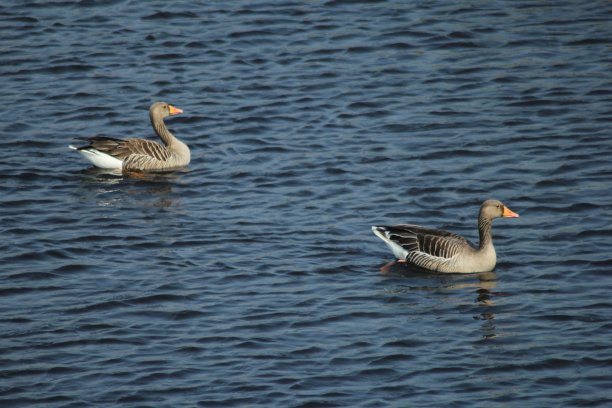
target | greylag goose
[
  {"x": 140, "y": 154},
  {"x": 442, "y": 251}
]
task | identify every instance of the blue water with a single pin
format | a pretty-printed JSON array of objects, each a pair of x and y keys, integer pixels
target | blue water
[{"x": 252, "y": 278}]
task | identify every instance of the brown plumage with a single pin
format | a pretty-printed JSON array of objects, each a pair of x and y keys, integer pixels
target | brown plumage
[
  {"x": 443, "y": 251},
  {"x": 140, "y": 154}
]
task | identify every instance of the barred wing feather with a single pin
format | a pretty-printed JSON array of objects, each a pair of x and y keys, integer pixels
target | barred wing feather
[{"x": 424, "y": 247}]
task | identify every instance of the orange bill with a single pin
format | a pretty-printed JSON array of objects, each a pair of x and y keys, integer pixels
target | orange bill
[
  {"x": 509, "y": 213},
  {"x": 174, "y": 110}
]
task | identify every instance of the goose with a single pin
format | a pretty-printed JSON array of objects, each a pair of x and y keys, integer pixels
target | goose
[
  {"x": 140, "y": 154},
  {"x": 442, "y": 251}
]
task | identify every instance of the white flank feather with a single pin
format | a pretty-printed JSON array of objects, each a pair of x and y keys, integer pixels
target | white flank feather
[
  {"x": 398, "y": 251},
  {"x": 99, "y": 159}
]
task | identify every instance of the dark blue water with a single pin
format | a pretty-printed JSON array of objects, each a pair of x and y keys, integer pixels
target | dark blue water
[{"x": 252, "y": 278}]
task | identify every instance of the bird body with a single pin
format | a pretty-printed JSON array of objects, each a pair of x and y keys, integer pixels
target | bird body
[
  {"x": 140, "y": 154},
  {"x": 443, "y": 251}
]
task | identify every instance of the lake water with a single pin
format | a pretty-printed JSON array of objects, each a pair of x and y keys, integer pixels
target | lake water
[{"x": 252, "y": 277}]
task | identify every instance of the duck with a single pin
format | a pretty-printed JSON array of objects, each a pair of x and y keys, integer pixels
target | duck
[
  {"x": 442, "y": 251},
  {"x": 140, "y": 154}
]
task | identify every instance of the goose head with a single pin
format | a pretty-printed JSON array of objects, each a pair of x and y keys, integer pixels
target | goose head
[
  {"x": 163, "y": 109},
  {"x": 492, "y": 209}
]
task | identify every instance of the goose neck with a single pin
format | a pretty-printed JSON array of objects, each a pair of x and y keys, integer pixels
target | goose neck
[
  {"x": 484, "y": 230},
  {"x": 162, "y": 131}
]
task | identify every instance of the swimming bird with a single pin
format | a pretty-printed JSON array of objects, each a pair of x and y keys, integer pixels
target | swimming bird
[
  {"x": 140, "y": 154},
  {"x": 443, "y": 251}
]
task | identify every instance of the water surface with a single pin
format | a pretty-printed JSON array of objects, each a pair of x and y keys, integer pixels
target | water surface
[{"x": 252, "y": 278}]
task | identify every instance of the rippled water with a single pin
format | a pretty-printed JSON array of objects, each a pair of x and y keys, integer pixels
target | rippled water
[{"x": 252, "y": 277}]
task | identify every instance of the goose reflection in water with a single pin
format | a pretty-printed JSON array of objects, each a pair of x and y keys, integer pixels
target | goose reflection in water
[
  {"x": 112, "y": 187},
  {"x": 482, "y": 284}
]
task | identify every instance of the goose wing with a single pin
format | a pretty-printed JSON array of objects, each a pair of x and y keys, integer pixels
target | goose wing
[
  {"x": 413, "y": 238},
  {"x": 122, "y": 149},
  {"x": 424, "y": 247}
]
